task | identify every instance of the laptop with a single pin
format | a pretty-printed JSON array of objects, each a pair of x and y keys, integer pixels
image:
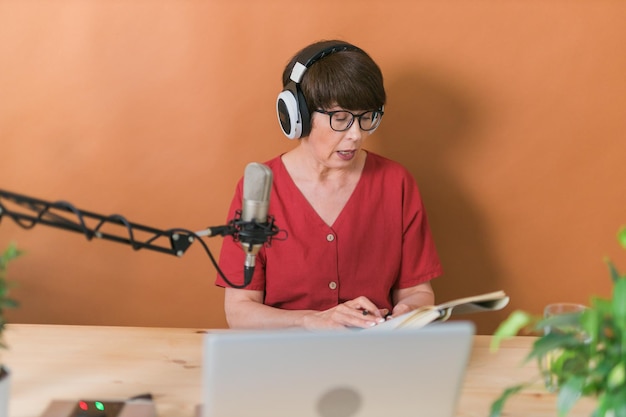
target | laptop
[{"x": 294, "y": 373}]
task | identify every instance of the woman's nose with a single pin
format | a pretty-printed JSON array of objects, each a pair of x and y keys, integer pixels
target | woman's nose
[{"x": 355, "y": 132}]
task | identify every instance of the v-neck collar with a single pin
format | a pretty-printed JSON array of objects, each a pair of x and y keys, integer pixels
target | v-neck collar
[{"x": 344, "y": 209}]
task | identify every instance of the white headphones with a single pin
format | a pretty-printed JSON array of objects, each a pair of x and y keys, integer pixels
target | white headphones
[{"x": 294, "y": 116}]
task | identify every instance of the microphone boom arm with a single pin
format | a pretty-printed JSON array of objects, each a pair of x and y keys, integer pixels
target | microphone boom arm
[{"x": 36, "y": 211}]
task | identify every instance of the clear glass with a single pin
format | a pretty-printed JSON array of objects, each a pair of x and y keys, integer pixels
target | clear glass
[
  {"x": 552, "y": 357},
  {"x": 342, "y": 120}
]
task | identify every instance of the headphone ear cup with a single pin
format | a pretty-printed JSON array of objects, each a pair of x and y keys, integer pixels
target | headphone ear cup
[
  {"x": 305, "y": 116},
  {"x": 289, "y": 114}
]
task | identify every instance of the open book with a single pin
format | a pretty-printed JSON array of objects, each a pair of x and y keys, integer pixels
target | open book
[{"x": 422, "y": 316}]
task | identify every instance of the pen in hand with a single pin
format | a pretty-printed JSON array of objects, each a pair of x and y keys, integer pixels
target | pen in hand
[{"x": 385, "y": 317}]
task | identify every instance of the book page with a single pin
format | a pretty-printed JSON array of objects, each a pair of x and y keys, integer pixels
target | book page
[
  {"x": 485, "y": 302},
  {"x": 422, "y": 316},
  {"x": 416, "y": 318}
]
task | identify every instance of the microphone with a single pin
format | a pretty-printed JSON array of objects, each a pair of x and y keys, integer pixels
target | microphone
[
  {"x": 252, "y": 226},
  {"x": 257, "y": 184}
]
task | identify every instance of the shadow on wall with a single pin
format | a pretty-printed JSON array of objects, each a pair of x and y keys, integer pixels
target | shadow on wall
[{"x": 427, "y": 126}]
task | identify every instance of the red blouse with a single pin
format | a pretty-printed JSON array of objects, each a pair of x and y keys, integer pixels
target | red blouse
[{"x": 380, "y": 241}]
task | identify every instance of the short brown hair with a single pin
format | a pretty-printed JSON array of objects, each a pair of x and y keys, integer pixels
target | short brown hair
[{"x": 349, "y": 79}]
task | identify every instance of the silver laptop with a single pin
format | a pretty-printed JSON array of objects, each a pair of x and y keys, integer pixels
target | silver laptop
[{"x": 402, "y": 372}]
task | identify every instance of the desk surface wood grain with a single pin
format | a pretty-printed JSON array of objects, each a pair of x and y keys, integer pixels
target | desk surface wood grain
[{"x": 57, "y": 362}]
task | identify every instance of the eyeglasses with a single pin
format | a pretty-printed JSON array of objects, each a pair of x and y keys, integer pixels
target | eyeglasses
[{"x": 342, "y": 120}]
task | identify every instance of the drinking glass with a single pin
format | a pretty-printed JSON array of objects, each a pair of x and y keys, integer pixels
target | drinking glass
[{"x": 551, "y": 357}]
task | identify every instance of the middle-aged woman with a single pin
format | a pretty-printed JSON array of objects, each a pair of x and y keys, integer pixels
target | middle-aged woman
[{"x": 358, "y": 243}]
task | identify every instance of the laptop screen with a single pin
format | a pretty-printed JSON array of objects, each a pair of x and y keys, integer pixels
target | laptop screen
[{"x": 294, "y": 373}]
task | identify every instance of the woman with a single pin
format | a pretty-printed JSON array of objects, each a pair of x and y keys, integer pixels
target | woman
[{"x": 359, "y": 246}]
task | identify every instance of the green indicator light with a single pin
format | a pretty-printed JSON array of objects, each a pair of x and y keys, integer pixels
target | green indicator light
[{"x": 99, "y": 405}]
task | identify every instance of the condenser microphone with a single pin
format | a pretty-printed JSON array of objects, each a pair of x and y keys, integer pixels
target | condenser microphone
[{"x": 257, "y": 184}]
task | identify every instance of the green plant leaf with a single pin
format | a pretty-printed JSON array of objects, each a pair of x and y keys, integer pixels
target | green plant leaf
[
  {"x": 553, "y": 341},
  {"x": 510, "y": 327},
  {"x": 611, "y": 404},
  {"x": 561, "y": 322},
  {"x": 498, "y": 404},
  {"x": 617, "y": 376},
  {"x": 8, "y": 303},
  {"x": 590, "y": 321},
  {"x": 615, "y": 275},
  {"x": 569, "y": 393},
  {"x": 12, "y": 252},
  {"x": 8, "y": 255},
  {"x": 621, "y": 236},
  {"x": 619, "y": 303}
]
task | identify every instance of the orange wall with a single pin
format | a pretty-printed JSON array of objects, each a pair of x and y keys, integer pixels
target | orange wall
[{"x": 509, "y": 114}]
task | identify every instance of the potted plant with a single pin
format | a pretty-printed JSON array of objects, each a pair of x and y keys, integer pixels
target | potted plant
[
  {"x": 6, "y": 301},
  {"x": 586, "y": 354}
]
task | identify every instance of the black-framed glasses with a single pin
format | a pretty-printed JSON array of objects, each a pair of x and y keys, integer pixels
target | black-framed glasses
[{"x": 342, "y": 120}]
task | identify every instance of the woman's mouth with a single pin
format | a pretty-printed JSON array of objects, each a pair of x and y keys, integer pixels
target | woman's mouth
[{"x": 346, "y": 155}]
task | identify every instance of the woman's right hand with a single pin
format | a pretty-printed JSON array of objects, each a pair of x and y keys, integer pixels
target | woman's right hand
[{"x": 359, "y": 312}]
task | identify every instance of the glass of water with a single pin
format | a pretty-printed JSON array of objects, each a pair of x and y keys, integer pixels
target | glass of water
[{"x": 566, "y": 323}]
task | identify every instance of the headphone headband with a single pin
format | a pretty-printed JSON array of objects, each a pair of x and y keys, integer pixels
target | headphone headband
[{"x": 308, "y": 58}]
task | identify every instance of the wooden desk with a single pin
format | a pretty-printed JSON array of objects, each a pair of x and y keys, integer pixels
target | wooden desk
[{"x": 71, "y": 362}]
